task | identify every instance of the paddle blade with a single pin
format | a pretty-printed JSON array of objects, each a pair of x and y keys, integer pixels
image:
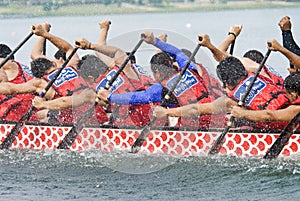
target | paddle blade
[
  {"x": 140, "y": 140},
  {"x": 283, "y": 138},
  {"x": 219, "y": 142},
  {"x": 142, "y": 137},
  {"x": 76, "y": 129},
  {"x": 16, "y": 130}
]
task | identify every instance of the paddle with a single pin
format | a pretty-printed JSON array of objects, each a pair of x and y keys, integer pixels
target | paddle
[
  {"x": 283, "y": 138},
  {"x": 146, "y": 130},
  {"x": 220, "y": 140},
  {"x": 44, "y": 47},
  {"x": 17, "y": 48},
  {"x": 14, "y": 132},
  {"x": 79, "y": 125},
  {"x": 232, "y": 47}
]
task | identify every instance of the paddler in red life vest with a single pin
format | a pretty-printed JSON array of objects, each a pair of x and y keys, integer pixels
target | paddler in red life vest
[
  {"x": 132, "y": 69},
  {"x": 254, "y": 55},
  {"x": 12, "y": 107},
  {"x": 67, "y": 83},
  {"x": 132, "y": 78},
  {"x": 90, "y": 68},
  {"x": 278, "y": 118},
  {"x": 234, "y": 76},
  {"x": 46, "y": 66},
  {"x": 207, "y": 87},
  {"x": 275, "y": 119}
]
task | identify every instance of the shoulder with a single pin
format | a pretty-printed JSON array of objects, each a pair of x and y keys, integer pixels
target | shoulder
[{"x": 37, "y": 82}]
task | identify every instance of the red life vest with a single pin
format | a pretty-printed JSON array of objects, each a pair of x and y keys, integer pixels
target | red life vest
[
  {"x": 274, "y": 75},
  {"x": 13, "y": 107},
  {"x": 190, "y": 89},
  {"x": 215, "y": 91},
  {"x": 263, "y": 95},
  {"x": 213, "y": 85},
  {"x": 143, "y": 75},
  {"x": 24, "y": 74},
  {"x": 132, "y": 115},
  {"x": 68, "y": 83},
  {"x": 275, "y": 125}
]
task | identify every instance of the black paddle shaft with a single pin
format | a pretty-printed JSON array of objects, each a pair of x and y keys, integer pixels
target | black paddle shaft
[
  {"x": 232, "y": 47},
  {"x": 121, "y": 68},
  {"x": 283, "y": 138},
  {"x": 146, "y": 130},
  {"x": 16, "y": 49},
  {"x": 220, "y": 140},
  {"x": 19, "y": 125}
]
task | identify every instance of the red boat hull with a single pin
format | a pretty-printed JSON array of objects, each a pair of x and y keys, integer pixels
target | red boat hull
[{"x": 173, "y": 142}]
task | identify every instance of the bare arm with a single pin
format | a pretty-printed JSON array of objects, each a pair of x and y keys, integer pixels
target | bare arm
[
  {"x": 252, "y": 66},
  {"x": 3, "y": 76},
  {"x": 266, "y": 115},
  {"x": 85, "y": 44},
  {"x": 104, "y": 27},
  {"x": 118, "y": 55},
  {"x": 234, "y": 31},
  {"x": 217, "y": 54},
  {"x": 37, "y": 50},
  {"x": 33, "y": 85},
  {"x": 58, "y": 42},
  {"x": 87, "y": 96},
  {"x": 292, "y": 57},
  {"x": 222, "y": 104}
]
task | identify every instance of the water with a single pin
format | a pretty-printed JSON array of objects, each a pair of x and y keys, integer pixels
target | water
[
  {"x": 64, "y": 175},
  {"x": 92, "y": 175}
]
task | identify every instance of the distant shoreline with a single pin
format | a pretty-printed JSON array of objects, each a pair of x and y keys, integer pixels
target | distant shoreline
[{"x": 19, "y": 11}]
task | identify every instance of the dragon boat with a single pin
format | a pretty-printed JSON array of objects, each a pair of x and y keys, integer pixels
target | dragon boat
[{"x": 166, "y": 140}]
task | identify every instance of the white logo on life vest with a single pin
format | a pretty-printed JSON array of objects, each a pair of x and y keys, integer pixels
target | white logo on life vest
[
  {"x": 66, "y": 75},
  {"x": 116, "y": 84},
  {"x": 187, "y": 81},
  {"x": 27, "y": 70},
  {"x": 141, "y": 70},
  {"x": 272, "y": 70},
  {"x": 258, "y": 86}
]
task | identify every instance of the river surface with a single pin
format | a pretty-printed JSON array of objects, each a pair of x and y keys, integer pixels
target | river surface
[{"x": 92, "y": 175}]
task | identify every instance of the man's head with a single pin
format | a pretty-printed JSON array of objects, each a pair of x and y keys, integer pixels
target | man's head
[
  {"x": 4, "y": 51},
  {"x": 40, "y": 66},
  {"x": 189, "y": 54},
  {"x": 254, "y": 55},
  {"x": 231, "y": 71},
  {"x": 162, "y": 66},
  {"x": 60, "y": 55},
  {"x": 292, "y": 85},
  {"x": 91, "y": 66}
]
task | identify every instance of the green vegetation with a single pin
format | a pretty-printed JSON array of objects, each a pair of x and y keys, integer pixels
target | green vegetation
[{"x": 35, "y": 8}]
